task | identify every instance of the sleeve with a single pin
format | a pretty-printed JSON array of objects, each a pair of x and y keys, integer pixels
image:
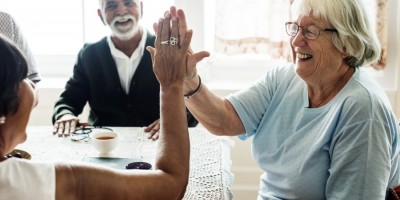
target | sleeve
[
  {"x": 76, "y": 93},
  {"x": 361, "y": 157},
  {"x": 251, "y": 103},
  {"x": 24, "y": 179}
]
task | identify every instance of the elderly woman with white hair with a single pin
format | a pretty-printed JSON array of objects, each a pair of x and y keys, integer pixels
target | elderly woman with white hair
[{"x": 322, "y": 128}]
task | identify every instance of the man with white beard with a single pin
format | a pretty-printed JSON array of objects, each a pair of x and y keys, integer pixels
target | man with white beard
[{"x": 115, "y": 76}]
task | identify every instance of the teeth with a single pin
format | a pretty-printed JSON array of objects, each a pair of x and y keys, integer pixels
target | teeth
[
  {"x": 303, "y": 56},
  {"x": 123, "y": 20}
]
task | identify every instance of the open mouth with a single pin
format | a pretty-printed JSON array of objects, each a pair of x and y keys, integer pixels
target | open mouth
[
  {"x": 123, "y": 22},
  {"x": 304, "y": 57}
]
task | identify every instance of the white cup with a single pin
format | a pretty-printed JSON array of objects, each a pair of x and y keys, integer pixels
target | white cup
[{"x": 105, "y": 142}]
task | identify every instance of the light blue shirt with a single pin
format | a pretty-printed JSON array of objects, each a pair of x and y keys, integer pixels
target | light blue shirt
[{"x": 346, "y": 149}]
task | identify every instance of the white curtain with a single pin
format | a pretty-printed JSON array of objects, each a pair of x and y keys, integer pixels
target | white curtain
[
  {"x": 252, "y": 26},
  {"x": 382, "y": 31}
]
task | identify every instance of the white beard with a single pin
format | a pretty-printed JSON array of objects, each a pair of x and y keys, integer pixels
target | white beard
[{"x": 124, "y": 32}]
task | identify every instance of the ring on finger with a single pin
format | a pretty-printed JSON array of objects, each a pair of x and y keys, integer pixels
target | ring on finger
[
  {"x": 173, "y": 41},
  {"x": 165, "y": 42}
]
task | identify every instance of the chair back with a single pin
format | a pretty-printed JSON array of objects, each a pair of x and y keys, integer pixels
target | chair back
[{"x": 393, "y": 193}]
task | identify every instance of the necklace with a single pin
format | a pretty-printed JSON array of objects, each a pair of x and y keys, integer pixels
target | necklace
[
  {"x": 15, "y": 155},
  {"x": 339, "y": 83}
]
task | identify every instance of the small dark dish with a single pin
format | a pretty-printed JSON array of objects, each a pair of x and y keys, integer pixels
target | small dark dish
[{"x": 139, "y": 165}]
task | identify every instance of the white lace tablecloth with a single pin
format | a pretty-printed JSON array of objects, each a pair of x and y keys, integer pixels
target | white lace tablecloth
[{"x": 210, "y": 176}]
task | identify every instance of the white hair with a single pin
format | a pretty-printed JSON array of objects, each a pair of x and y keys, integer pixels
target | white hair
[{"x": 355, "y": 36}]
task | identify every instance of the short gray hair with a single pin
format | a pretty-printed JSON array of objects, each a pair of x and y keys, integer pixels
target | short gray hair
[{"x": 355, "y": 36}]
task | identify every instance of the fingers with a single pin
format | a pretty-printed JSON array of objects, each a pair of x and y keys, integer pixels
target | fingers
[
  {"x": 153, "y": 129},
  {"x": 154, "y": 133},
  {"x": 200, "y": 55},
  {"x": 165, "y": 30},
  {"x": 175, "y": 38},
  {"x": 151, "y": 126},
  {"x": 158, "y": 38},
  {"x": 65, "y": 125},
  {"x": 186, "y": 41},
  {"x": 73, "y": 126},
  {"x": 155, "y": 27},
  {"x": 155, "y": 136},
  {"x": 182, "y": 24},
  {"x": 172, "y": 11},
  {"x": 152, "y": 52}
]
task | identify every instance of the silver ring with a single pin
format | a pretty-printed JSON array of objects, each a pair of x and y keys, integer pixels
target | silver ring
[
  {"x": 165, "y": 42},
  {"x": 173, "y": 40}
]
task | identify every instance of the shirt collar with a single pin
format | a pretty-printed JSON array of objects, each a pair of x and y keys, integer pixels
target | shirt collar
[{"x": 138, "y": 51}]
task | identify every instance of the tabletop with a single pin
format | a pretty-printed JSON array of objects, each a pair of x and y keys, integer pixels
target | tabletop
[{"x": 209, "y": 177}]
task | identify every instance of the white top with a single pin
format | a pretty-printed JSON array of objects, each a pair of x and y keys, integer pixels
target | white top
[
  {"x": 22, "y": 179},
  {"x": 346, "y": 149},
  {"x": 127, "y": 66}
]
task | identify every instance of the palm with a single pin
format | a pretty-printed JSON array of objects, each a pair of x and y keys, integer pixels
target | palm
[{"x": 192, "y": 60}]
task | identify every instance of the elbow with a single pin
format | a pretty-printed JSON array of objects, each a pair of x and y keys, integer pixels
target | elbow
[
  {"x": 182, "y": 185},
  {"x": 176, "y": 186}
]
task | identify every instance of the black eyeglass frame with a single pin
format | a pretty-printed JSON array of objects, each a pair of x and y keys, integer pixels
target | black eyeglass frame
[
  {"x": 82, "y": 133},
  {"x": 302, "y": 27}
]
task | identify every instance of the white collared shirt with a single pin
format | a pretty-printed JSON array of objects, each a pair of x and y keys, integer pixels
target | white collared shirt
[{"x": 127, "y": 66}]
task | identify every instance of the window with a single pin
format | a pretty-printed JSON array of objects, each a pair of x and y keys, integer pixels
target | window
[
  {"x": 230, "y": 73},
  {"x": 57, "y": 30}
]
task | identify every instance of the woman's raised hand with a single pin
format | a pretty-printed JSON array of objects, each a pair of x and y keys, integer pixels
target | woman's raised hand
[
  {"x": 192, "y": 58},
  {"x": 171, "y": 47}
]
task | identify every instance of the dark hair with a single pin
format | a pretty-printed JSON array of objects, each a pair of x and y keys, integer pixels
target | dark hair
[{"x": 13, "y": 70}]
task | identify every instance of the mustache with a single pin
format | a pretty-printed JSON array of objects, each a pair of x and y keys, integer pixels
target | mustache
[{"x": 123, "y": 18}]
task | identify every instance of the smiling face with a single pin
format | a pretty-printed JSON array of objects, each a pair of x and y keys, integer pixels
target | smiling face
[
  {"x": 122, "y": 17},
  {"x": 315, "y": 60}
]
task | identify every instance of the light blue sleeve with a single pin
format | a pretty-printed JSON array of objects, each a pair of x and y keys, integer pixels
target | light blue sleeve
[{"x": 251, "y": 103}]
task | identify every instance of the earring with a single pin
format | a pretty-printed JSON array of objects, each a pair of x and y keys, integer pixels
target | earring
[{"x": 2, "y": 120}]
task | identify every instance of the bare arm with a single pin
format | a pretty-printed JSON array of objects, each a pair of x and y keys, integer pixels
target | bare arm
[
  {"x": 168, "y": 181},
  {"x": 170, "y": 177},
  {"x": 214, "y": 113},
  {"x": 78, "y": 181}
]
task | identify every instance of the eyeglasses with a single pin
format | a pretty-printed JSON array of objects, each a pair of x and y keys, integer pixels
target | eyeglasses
[
  {"x": 310, "y": 32},
  {"x": 82, "y": 133}
]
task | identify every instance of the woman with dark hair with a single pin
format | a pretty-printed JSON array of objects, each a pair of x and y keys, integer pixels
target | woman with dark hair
[{"x": 24, "y": 179}]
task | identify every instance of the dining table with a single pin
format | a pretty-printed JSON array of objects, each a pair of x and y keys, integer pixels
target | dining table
[{"x": 210, "y": 175}]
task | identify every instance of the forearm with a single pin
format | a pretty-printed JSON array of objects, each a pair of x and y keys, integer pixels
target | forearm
[
  {"x": 174, "y": 137},
  {"x": 215, "y": 113},
  {"x": 78, "y": 181}
]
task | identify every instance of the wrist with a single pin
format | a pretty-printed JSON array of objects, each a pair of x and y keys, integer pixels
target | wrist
[
  {"x": 194, "y": 91},
  {"x": 190, "y": 84}
]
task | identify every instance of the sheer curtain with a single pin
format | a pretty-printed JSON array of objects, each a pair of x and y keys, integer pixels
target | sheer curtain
[
  {"x": 252, "y": 26},
  {"x": 257, "y": 27},
  {"x": 382, "y": 30}
]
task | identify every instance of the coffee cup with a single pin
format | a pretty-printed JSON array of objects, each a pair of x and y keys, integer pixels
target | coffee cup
[{"x": 105, "y": 142}]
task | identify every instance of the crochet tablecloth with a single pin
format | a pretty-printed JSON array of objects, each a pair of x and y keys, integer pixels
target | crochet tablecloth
[{"x": 209, "y": 178}]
